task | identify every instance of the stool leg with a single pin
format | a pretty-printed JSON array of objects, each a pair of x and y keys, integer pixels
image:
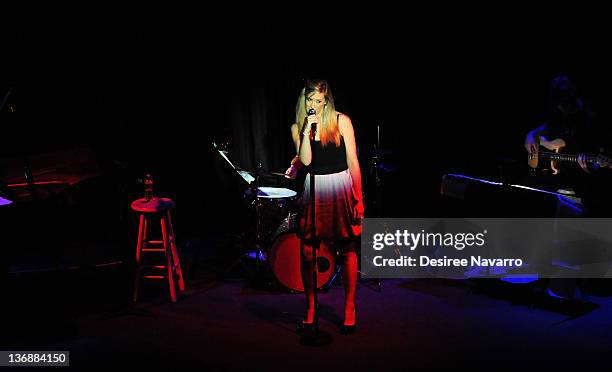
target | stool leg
[
  {"x": 168, "y": 259},
  {"x": 175, "y": 255},
  {"x": 141, "y": 234},
  {"x": 145, "y": 233}
]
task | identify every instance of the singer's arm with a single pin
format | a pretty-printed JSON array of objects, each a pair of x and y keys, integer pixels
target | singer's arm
[
  {"x": 295, "y": 135},
  {"x": 304, "y": 152},
  {"x": 347, "y": 131}
]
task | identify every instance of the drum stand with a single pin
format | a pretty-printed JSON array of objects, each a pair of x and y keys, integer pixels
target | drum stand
[
  {"x": 259, "y": 238},
  {"x": 248, "y": 239}
]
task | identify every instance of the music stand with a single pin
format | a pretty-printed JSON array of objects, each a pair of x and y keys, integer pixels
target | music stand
[{"x": 249, "y": 186}]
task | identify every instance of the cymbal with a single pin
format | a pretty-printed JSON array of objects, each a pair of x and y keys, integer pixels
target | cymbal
[
  {"x": 379, "y": 154},
  {"x": 262, "y": 172}
]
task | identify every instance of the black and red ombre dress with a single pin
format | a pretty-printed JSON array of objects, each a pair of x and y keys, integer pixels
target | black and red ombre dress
[{"x": 334, "y": 195}]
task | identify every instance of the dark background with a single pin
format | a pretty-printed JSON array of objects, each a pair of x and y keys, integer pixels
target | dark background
[{"x": 452, "y": 87}]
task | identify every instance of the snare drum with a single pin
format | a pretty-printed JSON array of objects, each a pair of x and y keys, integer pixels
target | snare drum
[
  {"x": 272, "y": 193},
  {"x": 270, "y": 207}
]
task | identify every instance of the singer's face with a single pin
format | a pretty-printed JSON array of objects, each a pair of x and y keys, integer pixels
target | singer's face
[{"x": 315, "y": 100}]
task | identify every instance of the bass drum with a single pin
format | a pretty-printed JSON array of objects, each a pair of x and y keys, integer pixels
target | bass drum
[{"x": 284, "y": 257}]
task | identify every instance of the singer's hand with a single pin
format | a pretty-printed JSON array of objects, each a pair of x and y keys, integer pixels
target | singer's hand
[
  {"x": 582, "y": 162},
  {"x": 292, "y": 172},
  {"x": 311, "y": 119},
  {"x": 358, "y": 211},
  {"x": 532, "y": 143},
  {"x": 305, "y": 126},
  {"x": 308, "y": 122}
]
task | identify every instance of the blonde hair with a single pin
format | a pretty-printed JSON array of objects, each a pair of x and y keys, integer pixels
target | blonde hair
[{"x": 328, "y": 128}]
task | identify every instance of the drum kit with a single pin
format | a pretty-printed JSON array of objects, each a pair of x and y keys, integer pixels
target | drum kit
[
  {"x": 276, "y": 237},
  {"x": 274, "y": 221}
]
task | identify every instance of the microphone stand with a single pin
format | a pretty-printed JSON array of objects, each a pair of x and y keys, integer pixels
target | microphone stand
[{"x": 316, "y": 337}]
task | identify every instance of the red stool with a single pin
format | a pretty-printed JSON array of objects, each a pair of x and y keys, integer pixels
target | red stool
[{"x": 157, "y": 208}]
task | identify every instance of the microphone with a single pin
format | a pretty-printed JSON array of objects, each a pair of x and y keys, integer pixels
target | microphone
[{"x": 313, "y": 125}]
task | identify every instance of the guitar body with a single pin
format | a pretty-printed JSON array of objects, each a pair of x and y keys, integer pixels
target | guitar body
[{"x": 555, "y": 145}]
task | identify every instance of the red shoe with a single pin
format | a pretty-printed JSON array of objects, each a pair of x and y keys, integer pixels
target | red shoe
[
  {"x": 306, "y": 326},
  {"x": 349, "y": 329}
]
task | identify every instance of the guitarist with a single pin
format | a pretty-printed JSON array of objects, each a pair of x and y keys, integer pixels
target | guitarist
[{"x": 570, "y": 127}]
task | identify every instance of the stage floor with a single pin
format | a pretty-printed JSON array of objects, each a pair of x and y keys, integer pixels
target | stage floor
[{"x": 232, "y": 322}]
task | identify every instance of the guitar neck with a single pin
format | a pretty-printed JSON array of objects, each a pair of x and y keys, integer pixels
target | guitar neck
[{"x": 568, "y": 158}]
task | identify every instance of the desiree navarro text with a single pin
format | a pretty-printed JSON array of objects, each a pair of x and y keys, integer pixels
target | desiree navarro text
[{"x": 425, "y": 261}]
